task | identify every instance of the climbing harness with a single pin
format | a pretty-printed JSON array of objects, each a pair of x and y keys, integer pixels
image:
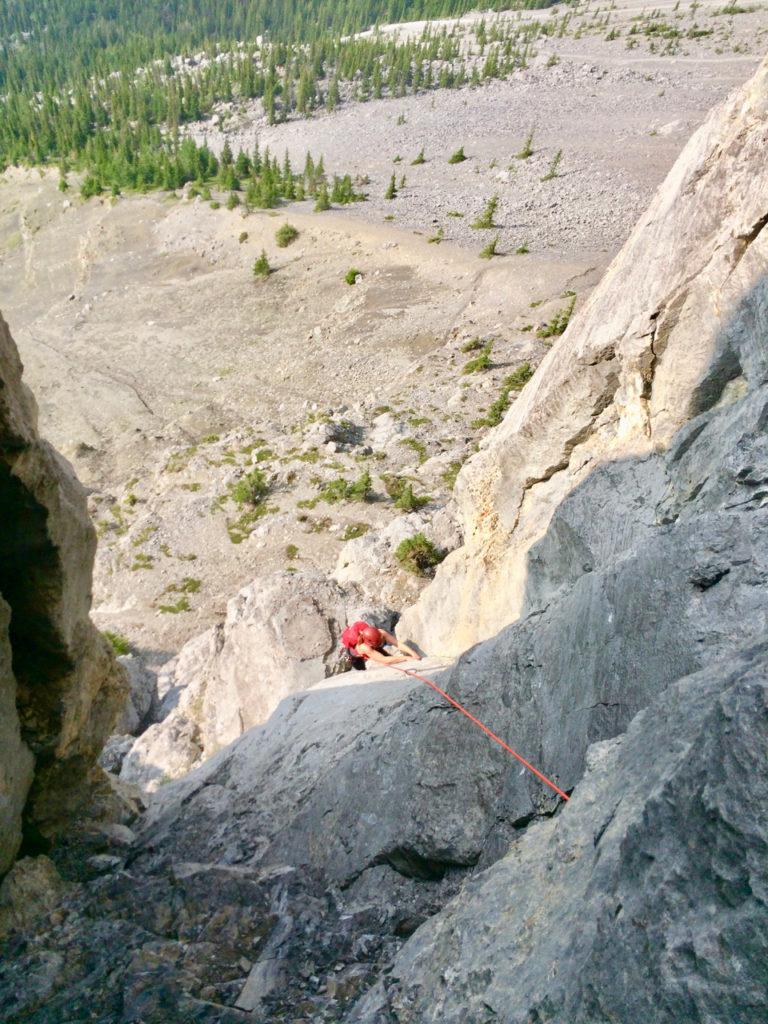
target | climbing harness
[{"x": 484, "y": 728}]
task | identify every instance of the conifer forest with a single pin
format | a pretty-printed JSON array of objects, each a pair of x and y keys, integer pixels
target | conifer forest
[{"x": 106, "y": 87}]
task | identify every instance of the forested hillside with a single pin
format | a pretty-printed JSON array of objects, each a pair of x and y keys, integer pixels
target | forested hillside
[{"x": 107, "y": 86}]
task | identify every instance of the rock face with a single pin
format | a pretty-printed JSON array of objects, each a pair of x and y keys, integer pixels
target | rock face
[
  {"x": 60, "y": 689},
  {"x": 645, "y": 899},
  {"x": 677, "y": 323}
]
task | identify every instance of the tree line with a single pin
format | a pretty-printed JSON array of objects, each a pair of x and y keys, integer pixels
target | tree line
[{"x": 108, "y": 85}]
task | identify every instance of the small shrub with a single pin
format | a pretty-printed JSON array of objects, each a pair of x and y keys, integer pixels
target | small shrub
[
  {"x": 418, "y": 555},
  {"x": 361, "y": 489},
  {"x": 323, "y": 202},
  {"x": 513, "y": 382},
  {"x": 552, "y": 172},
  {"x": 291, "y": 551},
  {"x": 286, "y": 234},
  {"x": 457, "y": 157},
  {"x": 261, "y": 267},
  {"x": 522, "y": 249},
  {"x": 251, "y": 490},
  {"x": 449, "y": 476},
  {"x": 485, "y": 220},
  {"x": 516, "y": 381},
  {"x": 419, "y": 159},
  {"x": 182, "y": 605},
  {"x": 490, "y": 249},
  {"x": 355, "y": 530},
  {"x": 417, "y": 446},
  {"x": 436, "y": 239},
  {"x": 119, "y": 644},
  {"x": 472, "y": 346},
  {"x": 215, "y": 204},
  {"x": 352, "y": 275},
  {"x": 391, "y": 192},
  {"x": 558, "y": 323},
  {"x": 334, "y": 491},
  {"x": 410, "y": 502},
  {"x": 481, "y": 362},
  {"x": 233, "y": 200},
  {"x": 243, "y": 237},
  {"x": 189, "y": 585},
  {"x": 527, "y": 149}
]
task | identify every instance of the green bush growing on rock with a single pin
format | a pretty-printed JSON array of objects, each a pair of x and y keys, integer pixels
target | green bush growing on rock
[
  {"x": 409, "y": 502},
  {"x": 449, "y": 476},
  {"x": 352, "y": 275},
  {"x": 119, "y": 644},
  {"x": 189, "y": 585},
  {"x": 485, "y": 220},
  {"x": 361, "y": 489},
  {"x": 513, "y": 382},
  {"x": 481, "y": 362},
  {"x": 342, "y": 490},
  {"x": 558, "y": 323},
  {"x": 286, "y": 234},
  {"x": 490, "y": 249},
  {"x": 457, "y": 157},
  {"x": 261, "y": 267},
  {"x": 355, "y": 530},
  {"x": 252, "y": 489},
  {"x": 418, "y": 555},
  {"x": 182, "y": 605}
]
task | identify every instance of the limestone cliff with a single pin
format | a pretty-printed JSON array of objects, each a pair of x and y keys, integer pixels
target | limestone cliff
[
  {"x": 60, "y": 688},
  {"x": 677, "y": 324}
]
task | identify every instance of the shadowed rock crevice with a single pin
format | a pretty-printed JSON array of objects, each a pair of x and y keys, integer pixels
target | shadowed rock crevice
[
  {"x": 61, "y": 681},
  {"x": 30, "y": 581}
]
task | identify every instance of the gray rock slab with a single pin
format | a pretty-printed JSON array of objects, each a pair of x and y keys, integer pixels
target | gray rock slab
[{"x": 645, "y": 899}]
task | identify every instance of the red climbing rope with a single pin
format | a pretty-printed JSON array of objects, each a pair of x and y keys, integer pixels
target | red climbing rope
[{"x": 484, "y": 728}]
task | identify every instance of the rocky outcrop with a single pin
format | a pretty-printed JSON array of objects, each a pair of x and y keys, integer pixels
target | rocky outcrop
[
  {"x": 675, "y": 325},
  {"x": 281, "y": 635},
  {"x": 644, "y": 900},
  {"x": 60, "y": 688}
]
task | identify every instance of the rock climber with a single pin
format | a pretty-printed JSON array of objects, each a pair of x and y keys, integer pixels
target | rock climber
[{"x": 365, "y": 643}]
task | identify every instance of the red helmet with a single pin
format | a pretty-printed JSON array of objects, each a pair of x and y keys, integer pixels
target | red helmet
[{"x": 372, "y": 636}]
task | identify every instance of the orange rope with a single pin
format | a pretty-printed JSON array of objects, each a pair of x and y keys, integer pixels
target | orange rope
[{"x": 484, "y": 728}]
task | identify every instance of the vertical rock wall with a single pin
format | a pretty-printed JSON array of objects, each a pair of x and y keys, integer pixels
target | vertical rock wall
[
  {"x": 60, "y": 688},
  {"x": 669, "y": 332}
]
